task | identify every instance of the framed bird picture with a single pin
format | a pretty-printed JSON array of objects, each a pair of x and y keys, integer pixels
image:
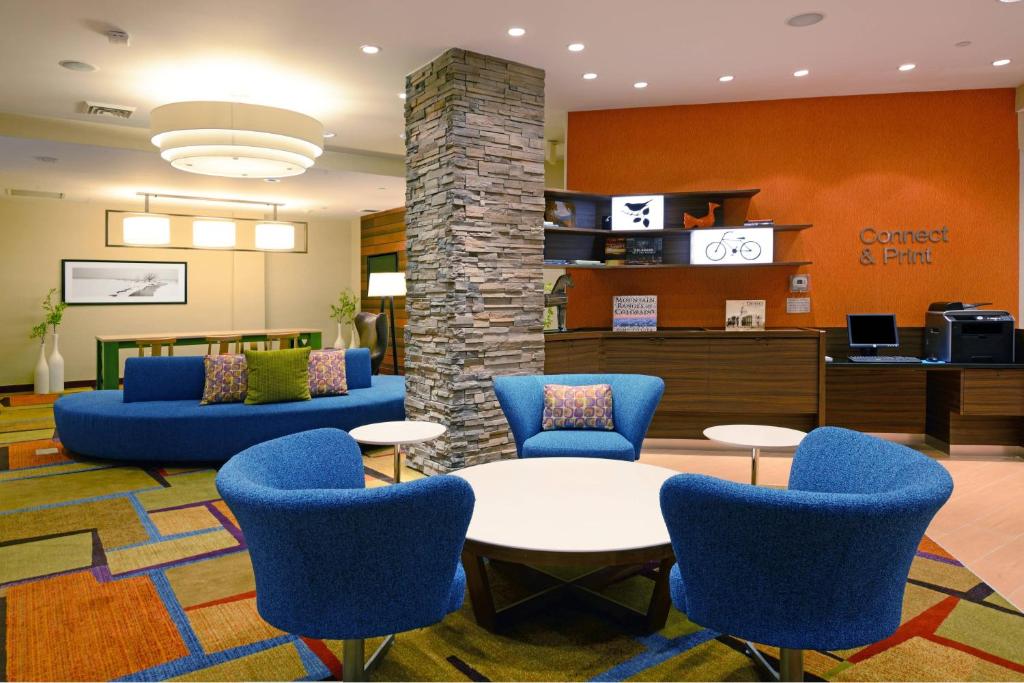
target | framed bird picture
[{"x": 638, "y": 212}]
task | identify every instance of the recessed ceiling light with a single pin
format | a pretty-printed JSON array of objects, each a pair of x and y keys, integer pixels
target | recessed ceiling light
[
  {"x": 516, "y": 32},
  {"x": 369, "y": 49},
  {"x": 74, "y": 65},
  {"x": 589, "y": 76},
  {"x": 805, "y": 19},
  {"x": 908, "y": 67},
  {"x": 725, "y": 79},
  {"x": 639, "y": 85},
  {"x": 576, "y": 47},
  {"x": 329, "y": 134},
  {"x": 1001, "y": 62},
  {"x": 800, "y": 73},
  {"x": 1008, "y": 1},
  {"x": 401, "y": 95}
]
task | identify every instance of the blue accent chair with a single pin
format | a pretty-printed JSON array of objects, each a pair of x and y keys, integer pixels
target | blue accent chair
[
  {"x": 336, "y": 560},
  {"x": 634, "y": 400},
  {"x": 822, "y": 565}
]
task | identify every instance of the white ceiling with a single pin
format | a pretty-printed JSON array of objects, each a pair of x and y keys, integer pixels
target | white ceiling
[
  {"x": 304, "y": 54},
  {"x": 113, "y": 176}
]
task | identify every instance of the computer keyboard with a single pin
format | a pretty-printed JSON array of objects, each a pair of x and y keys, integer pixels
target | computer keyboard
[{"x": 884, "y": 359}]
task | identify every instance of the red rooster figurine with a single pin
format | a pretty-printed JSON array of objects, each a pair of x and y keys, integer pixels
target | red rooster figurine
[{"x": 705, "y": 222}]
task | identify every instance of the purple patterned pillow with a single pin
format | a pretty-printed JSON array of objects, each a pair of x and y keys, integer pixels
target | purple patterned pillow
[
  {"x": 327, "y": 373},
  {"x": 227, "y": 379},
  {"x": 582, "y": 407}
]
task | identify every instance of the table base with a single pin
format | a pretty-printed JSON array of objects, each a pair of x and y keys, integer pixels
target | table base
[{"x": 583, "y": 589}]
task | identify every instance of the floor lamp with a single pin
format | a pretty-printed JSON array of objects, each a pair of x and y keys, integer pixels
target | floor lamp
[{"x": 388, "y": 286}]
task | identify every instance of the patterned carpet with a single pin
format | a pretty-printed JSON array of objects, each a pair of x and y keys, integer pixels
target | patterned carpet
[{"x": 110, "y": 571}]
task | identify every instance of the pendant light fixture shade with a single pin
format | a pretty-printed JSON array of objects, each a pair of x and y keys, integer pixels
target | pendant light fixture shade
[
  {"x": 213, "y": 234},
  {"x": 275, "y": 236},
  {"x": 236, "y": 140},
  {"x": 143, "y": 229}
]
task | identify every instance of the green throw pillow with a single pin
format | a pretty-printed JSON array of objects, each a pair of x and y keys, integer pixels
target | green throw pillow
[{"x": 276, "y": 376}]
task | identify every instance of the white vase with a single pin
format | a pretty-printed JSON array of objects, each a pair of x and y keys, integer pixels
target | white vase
[
  {"x": 42, "y": 380},
  {"x": 339, "y": 341},
  {"x": 353, "y": 339},
  {"x": 56, "y": 362}
]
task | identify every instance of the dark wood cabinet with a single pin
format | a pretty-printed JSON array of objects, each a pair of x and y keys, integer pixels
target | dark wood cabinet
[{"x": 711, "y": 377}]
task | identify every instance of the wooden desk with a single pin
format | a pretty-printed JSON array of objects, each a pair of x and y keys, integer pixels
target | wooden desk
[
  {"x": 108, "y": 346},
  {"x": 712, "y": 377},
  {"x": 951, "y": 404}
]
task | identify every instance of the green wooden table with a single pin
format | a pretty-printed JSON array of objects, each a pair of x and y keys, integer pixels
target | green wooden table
[{"x": 108, "y": 364}]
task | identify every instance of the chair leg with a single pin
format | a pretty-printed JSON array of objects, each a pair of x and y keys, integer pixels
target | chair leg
[
  {"x": 352, "y": 661},
  {"x": 375, "y": 658},
  {"x": 791, "y": 664},
  {"x": 354, "y": 666}
]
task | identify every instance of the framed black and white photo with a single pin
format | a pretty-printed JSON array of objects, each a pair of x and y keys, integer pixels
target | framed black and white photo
[{"x": 124, "y": 282}]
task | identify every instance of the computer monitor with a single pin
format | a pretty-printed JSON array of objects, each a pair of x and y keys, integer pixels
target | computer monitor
[{"x": 872, "y": 330}]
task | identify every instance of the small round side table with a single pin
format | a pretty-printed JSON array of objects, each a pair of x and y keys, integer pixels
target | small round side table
[
  {"x": 398, "y": 434},
  {"x": 755, "y": 437}
]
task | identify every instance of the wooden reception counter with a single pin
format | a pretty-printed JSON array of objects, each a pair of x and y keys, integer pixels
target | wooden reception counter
[
  {"x": 711, "y": 376},
  {"x": 780, "y": 377}
]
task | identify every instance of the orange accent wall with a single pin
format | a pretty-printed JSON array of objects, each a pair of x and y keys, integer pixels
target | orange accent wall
[{"x": 904, "y": 161}]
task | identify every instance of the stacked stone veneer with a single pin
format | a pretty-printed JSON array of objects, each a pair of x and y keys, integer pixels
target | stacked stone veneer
[{"x": 474, "y": 130}]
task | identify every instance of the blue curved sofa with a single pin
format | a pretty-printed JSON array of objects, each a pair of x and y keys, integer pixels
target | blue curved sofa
[{"x": 158, "y": 417}]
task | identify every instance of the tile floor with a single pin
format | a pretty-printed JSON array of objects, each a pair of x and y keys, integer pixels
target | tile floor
[{"x": 982, "y": 525}]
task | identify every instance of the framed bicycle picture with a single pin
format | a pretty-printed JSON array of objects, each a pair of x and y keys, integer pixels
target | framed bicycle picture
[
  {"x": 739, "y": 246},
  {"x": 123, "y": 282}
]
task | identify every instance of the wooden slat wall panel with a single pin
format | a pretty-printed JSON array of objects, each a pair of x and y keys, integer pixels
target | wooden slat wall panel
[{"x": 382, "y": 233}]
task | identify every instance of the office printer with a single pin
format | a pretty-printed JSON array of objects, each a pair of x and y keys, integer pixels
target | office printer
[{"x": 956, "y": 332}]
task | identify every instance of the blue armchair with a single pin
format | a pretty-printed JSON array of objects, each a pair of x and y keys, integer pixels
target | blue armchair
[
  {"x": 634, "y": 399},
  {"x": 336, "y": 560},
  {"x": 822, "y": 565}
]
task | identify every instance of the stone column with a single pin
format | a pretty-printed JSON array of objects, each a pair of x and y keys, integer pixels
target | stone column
[{"x": 474, "y": 129}]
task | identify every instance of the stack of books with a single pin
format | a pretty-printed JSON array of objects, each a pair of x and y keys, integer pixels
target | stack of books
[
  {"x": 643, "y": 250},
  {"x": 615, "y": 251}
]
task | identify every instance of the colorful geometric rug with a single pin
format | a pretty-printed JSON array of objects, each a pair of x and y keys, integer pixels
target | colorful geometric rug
[{"x": 115, "y": 572}]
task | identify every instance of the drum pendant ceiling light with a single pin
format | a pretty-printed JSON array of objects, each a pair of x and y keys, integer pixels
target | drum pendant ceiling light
[{"x": 236, "y": 140}]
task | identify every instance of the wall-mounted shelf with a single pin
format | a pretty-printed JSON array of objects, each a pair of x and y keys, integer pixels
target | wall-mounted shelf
[
  {"x": 588, "y": 266},
  {"x": 585, "y": 240},
  {"x": 667, "y": 232}
]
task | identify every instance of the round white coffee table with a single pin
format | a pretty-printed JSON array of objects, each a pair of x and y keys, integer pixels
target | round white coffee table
[
  {"x": 398, "y": 434},
  {"x": 755, "y": 437},
  {"x": 577, "y": 512}
]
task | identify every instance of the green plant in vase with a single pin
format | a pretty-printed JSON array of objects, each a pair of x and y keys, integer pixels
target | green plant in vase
[
  {"x": 49, "y": 373},
  {"x": 344, "y": 312}
]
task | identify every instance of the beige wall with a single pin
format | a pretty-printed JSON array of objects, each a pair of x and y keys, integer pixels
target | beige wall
[{"x": 226, "y": 290}]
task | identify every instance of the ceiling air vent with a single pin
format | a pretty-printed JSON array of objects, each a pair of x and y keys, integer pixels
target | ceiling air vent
[
  {"x": 38, "y": 194},
  {"x": 118, "y": 111}
]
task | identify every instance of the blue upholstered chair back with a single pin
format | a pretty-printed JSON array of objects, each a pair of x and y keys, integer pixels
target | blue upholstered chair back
[
  {"x": 181, "y": 378},
  {"x": 334, "y": 559},
  {"x": 634, "y": 400},
  {"x": 822, "y": 565}
]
